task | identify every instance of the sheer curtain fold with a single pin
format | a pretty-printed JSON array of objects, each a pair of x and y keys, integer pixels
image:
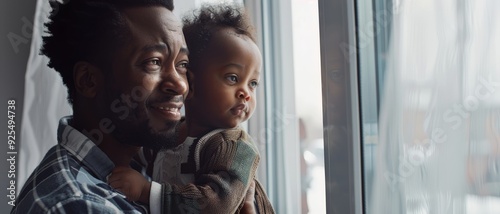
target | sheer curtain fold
[
  {"x": 440, "y": 110},
  {"x": 44, "y": 102}
]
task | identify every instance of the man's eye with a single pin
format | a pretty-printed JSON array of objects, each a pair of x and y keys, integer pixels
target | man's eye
[
  {"x": 254, "y": 84},
  {"x": 183, "y": 65},
  {"x": 153, "y": 62},
  {"x": 232, "y": 78},
  {"x": 152, "y": 65}
]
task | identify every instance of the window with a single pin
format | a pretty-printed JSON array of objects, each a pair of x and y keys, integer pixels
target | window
[
  {"x": 410, "y": 104},
  {"x": 288, "y": 122},
  {"x": 430, "y": 139}
]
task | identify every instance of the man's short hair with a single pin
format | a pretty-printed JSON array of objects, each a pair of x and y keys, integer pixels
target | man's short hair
[{"x": 87, "y": 30}]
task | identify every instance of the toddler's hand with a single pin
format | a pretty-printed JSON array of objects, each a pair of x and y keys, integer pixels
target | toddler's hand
[
  {"x": 131, "y": 183},
  {"x": 248, "y": 205}
]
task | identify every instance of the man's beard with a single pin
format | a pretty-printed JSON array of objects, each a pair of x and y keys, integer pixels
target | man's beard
[
  {"x": 137, "y": 133},
  {"x": 135, "y": 128}
]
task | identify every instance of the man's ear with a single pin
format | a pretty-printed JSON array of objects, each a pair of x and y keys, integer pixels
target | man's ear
[
  {"x": 88, "y": 79},
  {"x": 190, "y": 77}
]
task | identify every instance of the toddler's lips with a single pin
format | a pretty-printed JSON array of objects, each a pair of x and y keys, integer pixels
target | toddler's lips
[{"x": 239, "y": 109}]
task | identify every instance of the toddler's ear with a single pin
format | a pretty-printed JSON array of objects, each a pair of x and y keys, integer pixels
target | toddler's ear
[{"x": 190, "y": 77}]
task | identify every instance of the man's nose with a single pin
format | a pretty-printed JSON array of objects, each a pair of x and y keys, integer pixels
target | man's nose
[{"x": 173, "y": 82}]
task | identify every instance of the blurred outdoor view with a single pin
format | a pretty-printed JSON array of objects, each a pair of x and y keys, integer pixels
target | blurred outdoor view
[{"x": 308, "y": 96}]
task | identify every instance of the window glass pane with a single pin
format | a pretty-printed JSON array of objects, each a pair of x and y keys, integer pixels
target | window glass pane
[
  {"x": 430, "y": 105},
  {"x": 218, "y": 1},
  {"x": 308, "y": 101}
]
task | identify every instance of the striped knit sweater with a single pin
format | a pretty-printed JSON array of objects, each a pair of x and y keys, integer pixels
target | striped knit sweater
[{"x": 223, "y": 165}]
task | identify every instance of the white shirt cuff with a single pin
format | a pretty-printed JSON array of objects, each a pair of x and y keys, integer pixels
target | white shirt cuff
[{"x": 155, "y": 198}]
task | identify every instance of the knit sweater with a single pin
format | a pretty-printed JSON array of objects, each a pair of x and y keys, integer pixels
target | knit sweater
[{"x": 224, "y": 163}]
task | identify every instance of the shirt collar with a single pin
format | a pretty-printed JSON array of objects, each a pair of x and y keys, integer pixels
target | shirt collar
[{"x": 84, "y": 149}]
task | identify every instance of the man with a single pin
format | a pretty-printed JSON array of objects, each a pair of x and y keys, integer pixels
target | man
[{"x": 124, "y": 63}]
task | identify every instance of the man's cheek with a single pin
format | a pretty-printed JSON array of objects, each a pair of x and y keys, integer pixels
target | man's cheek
[
  {"x": 149, "y": 82},
  {"x": 139, "y": 94}
]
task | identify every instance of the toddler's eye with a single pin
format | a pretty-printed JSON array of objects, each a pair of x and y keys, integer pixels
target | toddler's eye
[
  {"x": 254, "y": 84},
  {"x": 232, "y": 78}
]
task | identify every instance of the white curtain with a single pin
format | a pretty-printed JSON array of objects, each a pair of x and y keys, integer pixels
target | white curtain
[
  {"x": 44, "y": 102},
  {"x": 439, "y": 145}
]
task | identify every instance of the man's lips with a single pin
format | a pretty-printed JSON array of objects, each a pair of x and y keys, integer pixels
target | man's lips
[{"x": 169, "y": 110}]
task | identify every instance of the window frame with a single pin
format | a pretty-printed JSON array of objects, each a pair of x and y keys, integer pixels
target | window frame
[
  {"x": 342, "y": 131},
  {"x": 341, "y": 111}
]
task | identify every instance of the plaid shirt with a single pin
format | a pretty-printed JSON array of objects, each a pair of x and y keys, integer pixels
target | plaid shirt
[{"x": 72, "y": 179}]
